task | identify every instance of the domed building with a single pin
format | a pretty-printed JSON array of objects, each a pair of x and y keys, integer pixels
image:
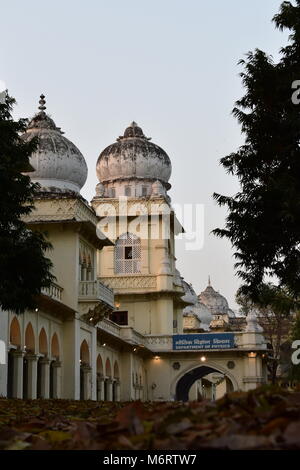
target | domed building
[
  {"x": 133, "y": 167},
  {"x": 58, "y": 164},
  {"x": 119, "y": 323},
  {"x": 218, "y": 306}
]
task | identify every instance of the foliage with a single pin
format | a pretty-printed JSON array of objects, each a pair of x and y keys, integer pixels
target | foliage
[
  {"x": 263, "y": 221},
  {"x": 23, "y": 267},
  {"x": 274, "y": 308}
]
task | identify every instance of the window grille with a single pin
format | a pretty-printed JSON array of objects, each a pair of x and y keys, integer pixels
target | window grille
[{"x": 128, "y": 254}]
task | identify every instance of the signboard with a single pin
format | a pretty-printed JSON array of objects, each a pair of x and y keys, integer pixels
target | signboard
[{"x": 199, "y": 342}]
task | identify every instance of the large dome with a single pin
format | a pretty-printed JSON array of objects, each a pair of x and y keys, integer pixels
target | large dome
[
  {"x": 133, "y": 158},
  {"x": 59, "y": 165}
]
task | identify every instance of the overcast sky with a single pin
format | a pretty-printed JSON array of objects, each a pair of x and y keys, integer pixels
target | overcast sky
[{"x": 169, "y": 65}]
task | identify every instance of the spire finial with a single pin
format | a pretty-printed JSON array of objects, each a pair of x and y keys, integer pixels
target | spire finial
[
  {"x": 42, "y": 103},
  {"x": 209, "y": 280}
]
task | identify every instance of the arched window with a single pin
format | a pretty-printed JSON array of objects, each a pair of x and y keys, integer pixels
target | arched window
[{"x": 128, "y": 254}]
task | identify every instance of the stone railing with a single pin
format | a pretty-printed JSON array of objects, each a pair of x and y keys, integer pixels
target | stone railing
[
  {"x": 54, "y": 291},
  {"x": 241, "y": 341},
  {"x": 164, "y": 343},
  {"x": 132, "y": 336},
  {"x": 96, "y": 290},
  {"x": 125, "y": 332},
  {"x": 109, "y": 326},
  {"x": 131, "y": 282},
  {"x": 159, "y": 342}
]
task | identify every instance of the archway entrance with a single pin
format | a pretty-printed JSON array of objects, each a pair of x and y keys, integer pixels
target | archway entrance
[{"x": 206, "y": 387}]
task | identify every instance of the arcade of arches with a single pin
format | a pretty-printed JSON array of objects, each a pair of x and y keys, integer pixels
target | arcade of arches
[{"x": 34, "y": 368}]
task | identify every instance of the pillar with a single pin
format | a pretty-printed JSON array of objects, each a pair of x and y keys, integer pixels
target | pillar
[
  {"x": 100, "y": 387},
  {"x": 32, "y": 375},
  {"x": 127, "y": 392},
  {"x": 253, "y": 371},
  {"x": 109, "y": 390},
  {"x": 45, "y": 378},
  {"x": 118, "y": 390},
  {"x": 56, "y": 379},
  {"x": 18, "y": 374},
  {"x": 86, "y": 382}
]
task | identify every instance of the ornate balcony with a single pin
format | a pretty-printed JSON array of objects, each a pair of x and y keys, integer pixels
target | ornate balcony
[
  {"x": 54, "y": 291},
  {"x": 95, "y": 291},
  {"x": 52, "y": 301}
]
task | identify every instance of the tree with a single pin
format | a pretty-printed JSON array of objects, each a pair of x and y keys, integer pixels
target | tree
[
  {"x": 274, "y": 308},
  {"x": 263, "y": 221},
  {"x": 24, "y": 269}
]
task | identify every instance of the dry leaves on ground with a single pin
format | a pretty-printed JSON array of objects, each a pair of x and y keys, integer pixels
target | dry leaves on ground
[{"x": 266, "y": 418}]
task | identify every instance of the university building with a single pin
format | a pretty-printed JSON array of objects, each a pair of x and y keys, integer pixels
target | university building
[{"x": 119, "y": 322}]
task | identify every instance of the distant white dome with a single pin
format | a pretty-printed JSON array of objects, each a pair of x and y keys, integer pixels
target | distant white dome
[
  {"x": 214, "y": 301},
  {"x": 133, "y": 158},
  {"x": 59, "y": 165}
]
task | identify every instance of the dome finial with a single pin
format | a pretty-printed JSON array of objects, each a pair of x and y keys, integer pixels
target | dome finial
[
  {"x": 42, "y": 103},
  {"x": 209, "y": 283}
]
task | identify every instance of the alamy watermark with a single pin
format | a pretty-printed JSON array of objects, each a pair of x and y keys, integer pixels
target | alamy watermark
[
  {"x": 296, "y": 94},
  {"x": 296, "y": 354},
  {"x": 153, "y": 220}
]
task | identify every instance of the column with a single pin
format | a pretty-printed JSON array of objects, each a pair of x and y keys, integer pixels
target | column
[
  {"x": 18, "y": 374},
  {"x": 32, "y": 375},
  {"x": 100, "y": 387},
  {"x": 118, "y": 390},
  {"x": 86, "y": 382},
  {"x": 45, "y": 377},
  {"x": 56, "y": 379},
  {"x": 109, "y": 389}
]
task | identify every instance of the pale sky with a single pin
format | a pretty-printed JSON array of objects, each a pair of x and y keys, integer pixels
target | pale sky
[{"x": 169, "y": 65}]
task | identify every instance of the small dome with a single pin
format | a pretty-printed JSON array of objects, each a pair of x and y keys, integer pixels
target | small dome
[
  {"x": 189, "y": 293},
  {"x": 134, "y": 157},
  {"x": 196, "y": 309},
  {"x": 59, "y": 165},
  {"x": 214, "y": 301}
]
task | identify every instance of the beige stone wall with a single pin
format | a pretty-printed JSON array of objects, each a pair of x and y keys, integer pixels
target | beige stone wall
[{"x": 148, "y": 314}]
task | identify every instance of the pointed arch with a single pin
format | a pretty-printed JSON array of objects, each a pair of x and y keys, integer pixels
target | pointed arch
[
  {"x": 107, "y": 368},
  {"x": 84, "y": 353},
  {"x": 116, "y": 370},
  {"x": 15, "y": 332},
  {"x": 43, "y": 342},
  {"x": 29, "y": 338},
  {"x": 55, "y": 351},
  {"x": 99, "y": 365}
]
